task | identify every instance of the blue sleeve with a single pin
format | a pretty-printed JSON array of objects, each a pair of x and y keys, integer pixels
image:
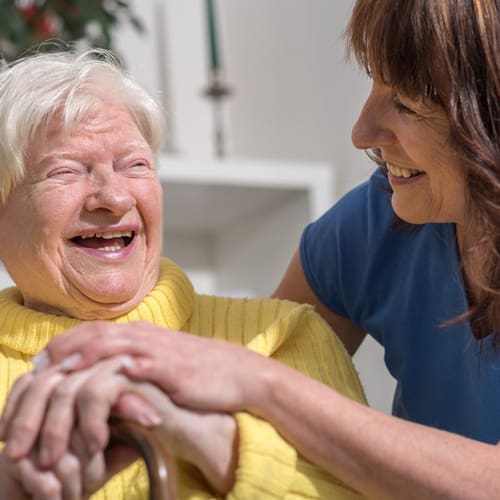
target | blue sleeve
[{"x": 339, "y": 250}]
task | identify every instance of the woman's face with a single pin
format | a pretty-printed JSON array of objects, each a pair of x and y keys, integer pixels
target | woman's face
[
  {"x": 81, "y": 234},
  {"x": 413, "y": 137}
]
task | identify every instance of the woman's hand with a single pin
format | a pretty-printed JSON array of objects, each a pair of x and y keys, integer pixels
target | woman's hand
[
  {"x": 194, "y": 371},
  {"x": 46, "y": 406},
  {"x": 49, "y": 398},
  {"x": 12, "y": 474},
  {"x": 68, "y": 479},
  {"x": 206, "y": 439}
]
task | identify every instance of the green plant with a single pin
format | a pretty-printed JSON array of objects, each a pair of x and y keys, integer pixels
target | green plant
[{"x": 26, "y": 23}]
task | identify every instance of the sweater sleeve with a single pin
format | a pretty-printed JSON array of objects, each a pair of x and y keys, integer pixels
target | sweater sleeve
[{"x": 269, "y": 467}]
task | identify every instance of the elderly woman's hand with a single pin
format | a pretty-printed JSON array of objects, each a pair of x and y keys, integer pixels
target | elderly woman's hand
[
  {"x": 194, "y": 371},
  {"x": 88, "y": 397},
  {"x": 12, "y": 474},
  {"x": 66, "y": 480},
  {"x": 206, "y": 439}
]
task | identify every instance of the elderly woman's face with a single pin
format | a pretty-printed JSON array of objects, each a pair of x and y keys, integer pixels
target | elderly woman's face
[
  {"x": 81, "y": 234},
  {"x": 423, "y": 169}
]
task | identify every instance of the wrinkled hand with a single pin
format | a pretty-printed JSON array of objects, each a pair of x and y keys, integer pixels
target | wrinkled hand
[
  {"x": 45, "y": 408},
  {"x": 66, "y": 480},
  {"x": 206, "y": 439},
  {"x": 49, "y": 403},
  {"x": 194, "y": 371}
]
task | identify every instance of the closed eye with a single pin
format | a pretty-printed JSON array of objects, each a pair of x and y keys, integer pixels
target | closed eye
[
  {"x": 65, "y": 172},
  {"x": 131, "y": 167},
  {"x": 402, "y": 108}
]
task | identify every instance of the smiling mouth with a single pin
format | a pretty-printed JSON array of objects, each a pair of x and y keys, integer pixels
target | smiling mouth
[
  {"x": 402, "y": 172},
  {"x": 106, "y": 242}
]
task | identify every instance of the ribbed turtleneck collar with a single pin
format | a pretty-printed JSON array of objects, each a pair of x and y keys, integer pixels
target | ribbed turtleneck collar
[{"x": 25, "y": 330}]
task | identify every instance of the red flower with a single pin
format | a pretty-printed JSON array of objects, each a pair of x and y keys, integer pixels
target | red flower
[
  {"x": 46, "y": 25},
  {"x": 29, "y": 12}
]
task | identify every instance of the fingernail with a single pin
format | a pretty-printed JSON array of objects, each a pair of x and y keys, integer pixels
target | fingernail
[
  {"x": 128, "y": 362},
  {"x": 41, "y": 361},
  {"x": 149, "y": 418},
  {"x": 70, "y": 362}
]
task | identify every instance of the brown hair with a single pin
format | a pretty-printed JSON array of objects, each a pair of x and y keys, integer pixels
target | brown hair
[{"x": 449, "y": 51}]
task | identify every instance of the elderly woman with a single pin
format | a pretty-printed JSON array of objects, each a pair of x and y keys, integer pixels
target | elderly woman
[
  {"x": 411, "y": 257},
  {"x": 81, "y": 232}
]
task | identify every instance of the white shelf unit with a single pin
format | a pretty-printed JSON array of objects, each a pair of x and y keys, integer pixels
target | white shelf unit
[{"x": 233, "y": 225}]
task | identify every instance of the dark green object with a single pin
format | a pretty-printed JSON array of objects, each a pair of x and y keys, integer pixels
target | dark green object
[
  {"x": 212, "y": 35},
  {"x": 26, "y": 23}
]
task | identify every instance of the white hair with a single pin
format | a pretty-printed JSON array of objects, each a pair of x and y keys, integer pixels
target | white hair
[{"x": 34, "y": 88}]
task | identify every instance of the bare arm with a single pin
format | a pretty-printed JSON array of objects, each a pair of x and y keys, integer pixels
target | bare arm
[
  {"x": 382, "y": 456},
  {"x": 294, "y": 286},
  {"x": 379, "y": 455}
]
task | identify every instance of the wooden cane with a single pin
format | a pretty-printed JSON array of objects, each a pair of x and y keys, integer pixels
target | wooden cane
[{"x": 160, "y": 463}]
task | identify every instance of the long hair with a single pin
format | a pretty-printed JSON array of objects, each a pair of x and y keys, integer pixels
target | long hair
[{"x": 448, "y": 51}]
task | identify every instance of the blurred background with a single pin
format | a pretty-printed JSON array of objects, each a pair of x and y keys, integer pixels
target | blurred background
[{"x": 259, "y": 102}]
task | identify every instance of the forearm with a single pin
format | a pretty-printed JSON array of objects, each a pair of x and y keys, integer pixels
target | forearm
[{"x": 380, "y": 456}]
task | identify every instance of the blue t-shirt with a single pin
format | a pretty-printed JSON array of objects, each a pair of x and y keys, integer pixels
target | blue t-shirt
[{"x": 399, "y": 283}]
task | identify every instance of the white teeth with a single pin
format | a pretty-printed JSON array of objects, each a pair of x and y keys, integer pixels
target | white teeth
[
  {"x": 402, "y": 172},
  {"x": 113, "y": 248},
  {"x": 108, "y": 236}
]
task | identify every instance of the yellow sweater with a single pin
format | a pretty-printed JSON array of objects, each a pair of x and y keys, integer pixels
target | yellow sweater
[{"x": 269, "y": 468}]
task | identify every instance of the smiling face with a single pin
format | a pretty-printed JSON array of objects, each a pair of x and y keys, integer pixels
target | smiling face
[
  {"x": 423, "y": 170},
  {"x": 81, "y": 234}
]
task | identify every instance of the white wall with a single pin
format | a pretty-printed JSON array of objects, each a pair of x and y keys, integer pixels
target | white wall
[
  {"x": 296, "y": 97},
  {"x": 294, "y": 94}
]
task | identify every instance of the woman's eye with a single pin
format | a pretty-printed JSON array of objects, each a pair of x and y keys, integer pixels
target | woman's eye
[
  {"x": 62, "y": 172},
  {"x": 402, "y": 108},
  {"x": 139, "y": 165}
]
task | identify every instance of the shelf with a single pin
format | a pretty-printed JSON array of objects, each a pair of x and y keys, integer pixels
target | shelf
[
  {"x": 209, "y": 195},
  {"x": 234, "y": 224}
]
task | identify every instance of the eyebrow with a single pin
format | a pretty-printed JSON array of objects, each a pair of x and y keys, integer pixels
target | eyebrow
[{"x": 128, "y": 149}]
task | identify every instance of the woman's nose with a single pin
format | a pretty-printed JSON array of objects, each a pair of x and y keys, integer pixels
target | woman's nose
[
  {"x": 110, "y": 192},
  {"x": 373, "y": 128}
]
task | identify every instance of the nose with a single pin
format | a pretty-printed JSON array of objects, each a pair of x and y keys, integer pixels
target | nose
[
  {"x": 110, "y": 191},
  {"x": 373, "y": 126}
]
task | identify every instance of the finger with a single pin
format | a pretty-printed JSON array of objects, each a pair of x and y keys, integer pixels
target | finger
[
  {"x": 95, "y": 473},
  {"x": 68, "y": 472},
  {"x": 42, "y": 485},
  {"x": 132, "y": 406},
  {"x": 95, "y": 340},
  {"x": 60, "y": 414},
  {"x": 18, "y": 389},
  {"x": 93, "y": 468},
  {"x": 23, "y": 426},
  {"x": 94, "y": 405},
  {"x": 59, "y": 419}
]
